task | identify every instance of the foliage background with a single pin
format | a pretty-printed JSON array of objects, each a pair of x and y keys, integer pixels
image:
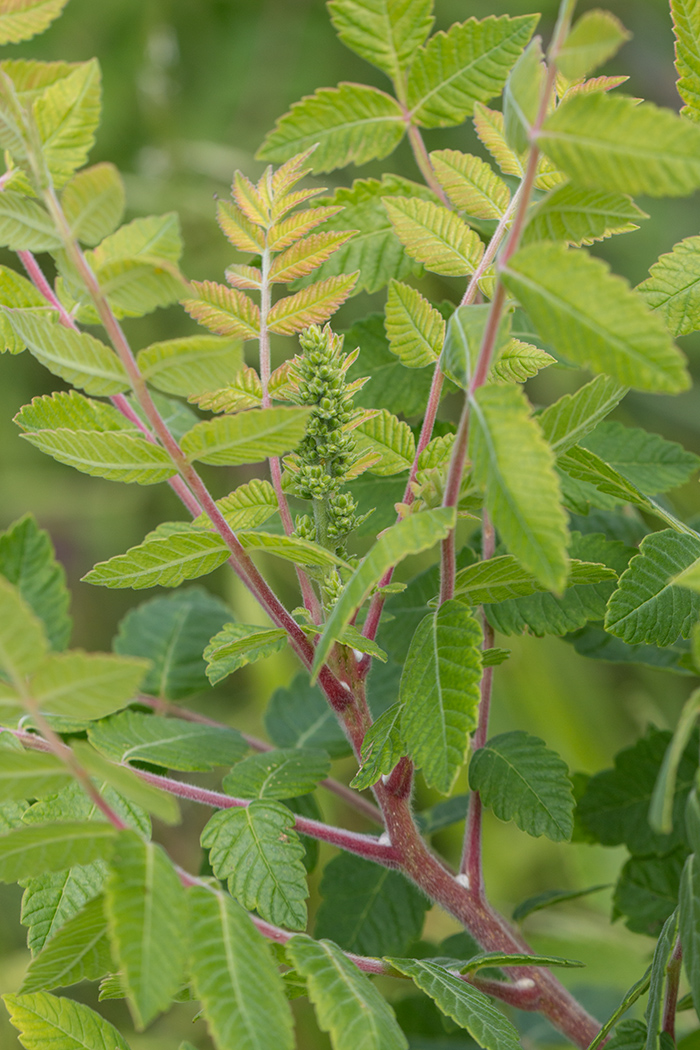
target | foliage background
[{"x": 190, "y": 87}]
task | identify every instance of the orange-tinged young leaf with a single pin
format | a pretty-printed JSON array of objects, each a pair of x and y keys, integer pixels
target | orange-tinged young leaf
[
  {"x": 280, "y": 384},
  {"x": 243, "y": 392},
  {"x": 304, "y": 256},
  {"x": 489, "y": 127},
  {"x": 239, "y": 230},
  {"x": 595, "y": 84},
  {"x": 282, "y": 234},
  {"x": 471, "y": 184},
  {"x": 288, "y": 201},
  {"x": 239, "y": 276},
  {"x": 289, "y": 173},
  {"x": 250, "y": 200},
  {"x": 223, "y": 310},
  {"x": 312, "y": 305}
]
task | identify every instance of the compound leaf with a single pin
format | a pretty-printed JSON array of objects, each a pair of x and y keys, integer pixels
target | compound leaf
[
  {"x": 351, "y": 124},
  {"x": 347, "y": 1004},
  {"x": 234, "y": 977},
  {"x": 258, "y": 851},
  {"x": 522, "y": 780},
  {"x": 144, "y": 903},
  {"x": 440, "y": 692}
]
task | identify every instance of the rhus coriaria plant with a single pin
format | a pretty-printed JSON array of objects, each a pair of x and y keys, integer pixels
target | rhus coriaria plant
[{"x": 510, "y": 519}]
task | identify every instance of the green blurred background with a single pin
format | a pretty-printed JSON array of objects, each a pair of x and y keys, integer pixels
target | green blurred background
[{"x": 190, "y": 88}]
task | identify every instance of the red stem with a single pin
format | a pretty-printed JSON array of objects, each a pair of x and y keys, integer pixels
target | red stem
[{"x": 673, "y": 978}]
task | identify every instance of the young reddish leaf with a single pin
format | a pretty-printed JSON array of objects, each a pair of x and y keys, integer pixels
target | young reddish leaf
[
  {"x": 312, "y": 305},
  {"x": 223, "y": 310},
  {"x": 307, "y": 254},
  {"x": 241, "y": 232}
]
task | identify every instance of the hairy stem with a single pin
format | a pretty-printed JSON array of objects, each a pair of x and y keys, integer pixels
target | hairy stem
[
  {"x": 422, "y": 159},
  {"x": 673, "y": 978}
]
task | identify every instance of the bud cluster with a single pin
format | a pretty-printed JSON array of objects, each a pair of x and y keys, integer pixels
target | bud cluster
[{"x": 327, "y": 451}]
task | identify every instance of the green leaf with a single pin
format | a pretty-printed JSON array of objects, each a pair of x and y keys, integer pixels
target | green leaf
[
  {"x": 390, "y": 384},
  {"x": 291, "y": 548},
  {"x": 25, "y": 226},
  {"x": 550, "y": 898},
  {"x": 385, "y": 33},
  {"x": 435, "y": 236},
  {"x": 414, "y": 534},
  {"x": 145, "y": 903},
  {"x": 247, "y": 507},
  {"x": 258, "y": 851},
  {"x": 86, "y": 685},
  {"x": 54, "y": 898},
  {"x": 654, "y": 1013},
  {"x": 277, "y": 774},
  {"x": 368, "y": 909},
  {"x": 114, "y": 456},
  {"x": 27, "y": 560},
  {"x": 470, "y": 1008},
  {"x": 584, "y": 466},
  {"x": 238, "y": 644},
  {"x": 351, "y": 124},
  {"x": 77, "y": 357},
  {"x": 30, "y": 774},
  {"x": 67, "y": 114},
  {"x": 689, "y": 923},
  {"x": 169, "y": 742},
  {"x": 661, "y": 808},
  {"x": 687, "y": 33},
  {"x": 93, "y": 203},
  {"x": 347, "y": 1004},
  {"x": 48, "y": 1020},
  {"x": 649, "y": 461},
  {"x": 300, "y": 716},
  {"x": 23, "y": 642},
  {"x": 471, "y": 184},
  {"x": 440, "y": 692},
  {"x": 584, "y": 599},
  {"x": 193, "y": 365},
  {"x": 522, "y": 780},
  {"x": 647, "y": 891},
  {"x": 465, "y": 335},
  {"x": 415, "y": 329},
  {"x": 470, "y": 63},
  {"x": 382, "y": 747},
  {"x": 615, "y": 805},
  {"x": 234, "y": 977},
  {"x": 521, "y": 96},
  {"x": 27, "y": 19},
  {"x": 502, "y": 577},
  {"x": 128, "y": 784},
  {"x": 17, "y": 291},
  {"x": 593, "y": 317},
  {"x": 172, "y": 633},
  {"x": 162, "y": 562},
  {"x": 515, "y": 466},
  {"x": 595, "y": 38},
  {"x": 649, "y": 604},
  {"x": 375, "y": 250},
  {"x": 52, "y": 847},
  {"x": 443, "y": 814},
  {"x": 69, "y": 410},
  {"x": 80, "y": 951},
  {"x": 247, "y": 437},
  {"x": 389, "y": 438},
  {"x": 673, "y": 287},
  {"x": 573, "y": 416},
  {"x": 517, "y": 959},
  {"x": 579, "y": 216},
  {"x": 609, "y": 142},
  {"x": 518, "y": 362}
]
